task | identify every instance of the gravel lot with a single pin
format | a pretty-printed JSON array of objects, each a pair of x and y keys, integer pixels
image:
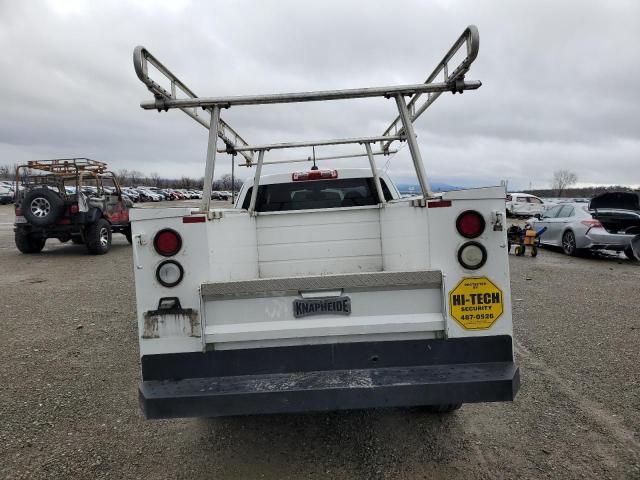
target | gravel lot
[{"x": 69, "y": 374}]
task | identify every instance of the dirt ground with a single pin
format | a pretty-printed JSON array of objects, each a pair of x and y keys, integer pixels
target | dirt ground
[{"x": 69, "y": 373}]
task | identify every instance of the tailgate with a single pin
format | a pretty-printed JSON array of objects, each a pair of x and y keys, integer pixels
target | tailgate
[{"x": 317, "y": 309}]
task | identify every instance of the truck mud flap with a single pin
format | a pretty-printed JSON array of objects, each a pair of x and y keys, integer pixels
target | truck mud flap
[{"x": 438, "y": 374}]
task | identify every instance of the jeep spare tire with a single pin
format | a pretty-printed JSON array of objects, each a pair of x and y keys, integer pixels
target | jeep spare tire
[{"x": 42, "y": 206}]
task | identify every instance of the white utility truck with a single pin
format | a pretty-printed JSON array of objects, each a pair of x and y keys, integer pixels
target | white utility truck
[{"x": 322, "y": 289}]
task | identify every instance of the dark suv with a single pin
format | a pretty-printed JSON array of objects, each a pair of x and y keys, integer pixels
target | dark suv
[{"x": 73, "y": 199}]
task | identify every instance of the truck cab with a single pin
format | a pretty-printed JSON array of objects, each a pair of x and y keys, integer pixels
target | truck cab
[
  {"x": 315, "y": 189},
  {"x": 322, "y": 289}
]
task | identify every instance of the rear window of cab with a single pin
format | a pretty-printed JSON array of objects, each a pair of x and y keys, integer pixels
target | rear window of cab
[{"x": 316, "y": 194}]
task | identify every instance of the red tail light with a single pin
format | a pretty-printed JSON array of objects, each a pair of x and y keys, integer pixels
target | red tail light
[
  {"x": 314, "y": 175},
  {"x": 591, "y": 223},
  {"x": 74, "y": 208},
  {"x": 470, "y": 224},
  {"x": 194, "y": 219},
  {"x": 18, "y": 212},
  {"x": 167, "y": 242}
]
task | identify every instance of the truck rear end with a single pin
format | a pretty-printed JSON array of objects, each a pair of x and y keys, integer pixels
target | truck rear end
[{"x": 323, "y": 290}]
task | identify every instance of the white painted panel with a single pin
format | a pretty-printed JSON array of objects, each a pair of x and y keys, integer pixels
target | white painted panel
[
  {"x": 233, "y": 251},
  {"x": 287, "y": 342},
  {"x": 326, "y": 326},
  {"x": 275, "y": 235},
  {"x": 405, "y": 237},
  {"x": 325, "y": 250},
  {"x": 372, "y": 303},
  {"x": 321, "y": 266},
  {"x": 319, "y": 242},
  {"x": 373, "y": 312}
]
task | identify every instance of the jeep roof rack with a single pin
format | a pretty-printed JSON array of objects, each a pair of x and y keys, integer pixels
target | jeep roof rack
[
  {"x": 422, "y": 96},
  {"x": 67, "y": 166}
]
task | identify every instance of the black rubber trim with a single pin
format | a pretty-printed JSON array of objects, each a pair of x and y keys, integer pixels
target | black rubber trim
[
  {"x": 331, "y": 390},
  {"x": 155, "y": 242},
  {"x": 338, "y": 356},
  {"x": 166, "y": 284},
  {"x": 329, "y": 377},
  {"x": 475, "y": 213},
  {"x": 482, "y": 249}
]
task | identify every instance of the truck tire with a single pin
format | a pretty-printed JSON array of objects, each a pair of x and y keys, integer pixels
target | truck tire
[
  {"x": 42, "y": 206},
  {"x": 127, "y": 234},
  {"x": 98, "y": 237},
  {"x": 28, "y": 244},
  {"x": 443, "y": 408},
  {"x": 630, "y": 255}
]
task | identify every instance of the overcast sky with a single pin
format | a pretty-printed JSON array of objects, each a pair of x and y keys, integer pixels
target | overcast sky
[{"x": 560, "y": 83}]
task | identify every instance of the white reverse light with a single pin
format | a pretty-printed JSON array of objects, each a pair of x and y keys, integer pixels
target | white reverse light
[
  {"x": 169, "y": 273},
  {"x": 472, "y": 255}
]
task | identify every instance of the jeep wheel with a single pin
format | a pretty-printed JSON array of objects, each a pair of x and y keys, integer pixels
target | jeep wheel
[
  {"x": 28, "y": 244},
  {"x": 98, "y": 237},
  {"x": 630, "y": 255},
  {"x": 42, "y": 206}
]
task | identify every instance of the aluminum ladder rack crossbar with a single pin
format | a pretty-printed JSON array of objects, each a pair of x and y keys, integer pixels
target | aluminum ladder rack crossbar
[
  {"x": 317, "y": 159},
  {"x": 316, "y": 143},
  {"x": 401, "y": 129},
  {"x": 298, "y": 97},
  {"x": 142, "y": 58}
]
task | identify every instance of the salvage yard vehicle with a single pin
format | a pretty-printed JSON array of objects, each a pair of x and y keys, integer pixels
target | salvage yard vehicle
[
  {"x": 576, "y": 228},
  {"x": 6, "y": 195},
  {"x": 524, "y": 205},
  {"x": 619, "y": 212},
  {"x": 322, "y": 289},
  {"x": 75, "y": 199}
]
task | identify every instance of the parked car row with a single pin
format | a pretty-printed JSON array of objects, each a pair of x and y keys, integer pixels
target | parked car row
[
  {"x": 154, "y": 194},
  {"x": 134, "y": 194}
]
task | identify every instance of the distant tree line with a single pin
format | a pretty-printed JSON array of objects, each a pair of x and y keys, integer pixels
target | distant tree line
[
  {"x": 583, "y": 192},
  {"x": 561, "y": 187},
  {"x": 135, "y": 178}
]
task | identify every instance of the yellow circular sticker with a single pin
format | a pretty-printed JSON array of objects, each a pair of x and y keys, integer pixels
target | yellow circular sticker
[{"x": 476, "y": 303}]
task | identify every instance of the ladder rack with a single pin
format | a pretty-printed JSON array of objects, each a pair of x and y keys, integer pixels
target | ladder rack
[
  {"x": 68, "y": 166},
  {"x": 421, "y": 95}
]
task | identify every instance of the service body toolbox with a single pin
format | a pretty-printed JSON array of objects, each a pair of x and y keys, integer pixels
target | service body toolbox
[{"x": 323, "y": 289}]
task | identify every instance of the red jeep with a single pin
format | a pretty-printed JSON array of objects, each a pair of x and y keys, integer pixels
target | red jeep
[{"x": 75, "y": 199}]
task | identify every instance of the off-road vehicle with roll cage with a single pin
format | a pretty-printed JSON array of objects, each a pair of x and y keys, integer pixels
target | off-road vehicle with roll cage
[{"x": 75, "y": 199}]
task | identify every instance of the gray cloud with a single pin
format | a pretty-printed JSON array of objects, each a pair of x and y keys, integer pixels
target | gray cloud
[{"x": 559, "y": 82}]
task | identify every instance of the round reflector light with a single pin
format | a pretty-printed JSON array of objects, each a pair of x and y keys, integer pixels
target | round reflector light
[
  {"x": 470, "y": 224},
  {"x": 472, "y": 255},
  {"x": 167, "y": 242},
  {"x": 169, "y": 273}
]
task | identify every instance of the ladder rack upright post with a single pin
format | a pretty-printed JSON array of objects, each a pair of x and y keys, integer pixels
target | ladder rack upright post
[
  {"x": 211, "y": 159},
  {"x": 414, "y": 148},
  {"x": 374, "y": 170}
]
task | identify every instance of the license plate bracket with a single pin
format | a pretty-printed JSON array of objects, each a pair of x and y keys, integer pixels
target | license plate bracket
[{"x": 306, "y": 307}]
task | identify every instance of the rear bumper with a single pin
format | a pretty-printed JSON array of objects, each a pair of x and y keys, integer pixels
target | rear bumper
[
  {"x": 599, "y": 238},
  {"x": 329, "y": 377}
]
